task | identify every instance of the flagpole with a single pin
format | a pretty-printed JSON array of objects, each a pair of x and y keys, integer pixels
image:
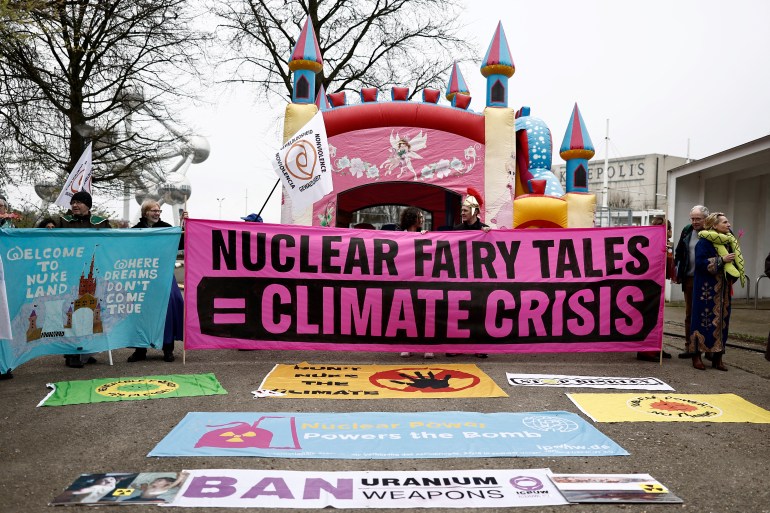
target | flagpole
[
  {"x": 184, "y": 289},
  {"x": 268, "y": 197}
]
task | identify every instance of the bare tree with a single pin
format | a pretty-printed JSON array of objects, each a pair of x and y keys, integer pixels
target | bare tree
[
  {"x": 620, "y": 199},
  {"x": 70, "y": 73},
  {"x": 364, "y": 43}
]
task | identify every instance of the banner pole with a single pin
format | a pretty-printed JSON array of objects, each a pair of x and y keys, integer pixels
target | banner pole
[
  {"x": 268, "y": 197},
  {"x": 184, "y": 288}
]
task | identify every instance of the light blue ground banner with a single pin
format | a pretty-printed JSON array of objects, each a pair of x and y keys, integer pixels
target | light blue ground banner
[
  {"x": 385, "y": 435},
  {"x": 75, "y": 291}
]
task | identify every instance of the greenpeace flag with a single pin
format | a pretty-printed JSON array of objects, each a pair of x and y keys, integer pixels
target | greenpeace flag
[
  {"x": 302, "y": 164},
  {"x": 78, "y": 180}
]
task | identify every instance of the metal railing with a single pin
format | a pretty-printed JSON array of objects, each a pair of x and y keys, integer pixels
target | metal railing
[{"x": 756, "y": 289}]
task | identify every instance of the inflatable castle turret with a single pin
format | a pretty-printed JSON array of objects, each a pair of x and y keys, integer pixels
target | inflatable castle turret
[
  {"x": 457, "y": 90},
  {"x": 305, "y": 62},
  {"x": 498, "y": 67},
  {"x": 424, "y": 154},
  {"x": 576, "y": 149},
  {"x": 321, "y": 101}
]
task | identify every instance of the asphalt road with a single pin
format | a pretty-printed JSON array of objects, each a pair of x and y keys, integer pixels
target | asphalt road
[{"x": 714, "y": 467}]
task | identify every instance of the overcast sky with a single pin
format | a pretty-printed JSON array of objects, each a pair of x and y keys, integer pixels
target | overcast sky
[{"x": 662, "y": 71}]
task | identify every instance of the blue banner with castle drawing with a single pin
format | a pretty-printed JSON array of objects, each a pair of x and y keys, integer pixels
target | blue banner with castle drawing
[{"x": 76, "y": 291}]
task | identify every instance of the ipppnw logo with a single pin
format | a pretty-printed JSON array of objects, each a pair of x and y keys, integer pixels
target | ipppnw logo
[
  {"x": 548, "y": 423},
  {"x": 526, "y": 483},
  {"x": 300, "y": 160}
]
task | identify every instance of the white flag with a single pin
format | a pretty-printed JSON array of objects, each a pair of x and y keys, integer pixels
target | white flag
[
  {"x": 78, "y": 180},
  {"x": 303, "y": 164}
]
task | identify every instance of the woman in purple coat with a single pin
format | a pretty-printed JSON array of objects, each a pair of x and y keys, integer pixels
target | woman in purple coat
[{"x": 718, "y": 264}]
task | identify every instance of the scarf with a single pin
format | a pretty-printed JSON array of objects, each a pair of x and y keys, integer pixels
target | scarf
[{"x": 720, "y": 242}]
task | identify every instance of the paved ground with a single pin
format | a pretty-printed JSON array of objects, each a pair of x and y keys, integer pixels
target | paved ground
[{"x": 714, "y": 467}]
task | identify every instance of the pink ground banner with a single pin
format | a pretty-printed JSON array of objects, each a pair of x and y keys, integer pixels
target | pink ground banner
[{"x": 253, "y": 285}]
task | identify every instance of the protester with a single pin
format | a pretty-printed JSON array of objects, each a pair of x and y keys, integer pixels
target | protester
[
  {"x": 469, "y": 213},
  {"x": 174, "y": 328},
  {"x": 253, "y": 218},
  {"x": 80, "y": 217},
  {"x": 654, "y": 356},
  {"x": 6, "y": 217},
  {"x": 46, "y": 223},
  {"x": 80, "y": 214},
  {"x": 6, "y": 221},
  {"x": 412, "y": 220},
  {"x": 718, "y": 264},
  {"x": 684, "y": 262}
]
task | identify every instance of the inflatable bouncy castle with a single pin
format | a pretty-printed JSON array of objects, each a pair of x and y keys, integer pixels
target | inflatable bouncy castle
[{"x": 420, "y": 153}]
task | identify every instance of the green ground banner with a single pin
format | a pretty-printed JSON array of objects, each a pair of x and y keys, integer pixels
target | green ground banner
[{"x": 131, "y": 389}]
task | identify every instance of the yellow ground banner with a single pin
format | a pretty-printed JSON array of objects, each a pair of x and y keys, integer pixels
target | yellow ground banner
[
  {"x": 668, "y": 407},
  {"x": 329, "y": 381}
]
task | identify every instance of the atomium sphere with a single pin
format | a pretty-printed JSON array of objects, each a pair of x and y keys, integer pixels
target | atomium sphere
[
  {"x": 143, "y": 194},
  {"x": 200, "y": 147},
  {"x": 176, "y": 189},
  {"x": 48, "y": 191}
]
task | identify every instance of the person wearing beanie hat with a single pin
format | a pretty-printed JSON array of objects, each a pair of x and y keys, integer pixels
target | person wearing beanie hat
[
  {"x": 80, "y": 214},
  {"x": 84, "y": 198},
  {"x": 80, "y": 217},
  {"x": 469, "y": 212}
]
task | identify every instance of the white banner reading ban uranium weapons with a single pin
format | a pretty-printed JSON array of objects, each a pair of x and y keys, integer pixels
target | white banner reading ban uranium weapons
[
  {"x": 303, "y": 164},
  {"x": 373, "y": 489}
]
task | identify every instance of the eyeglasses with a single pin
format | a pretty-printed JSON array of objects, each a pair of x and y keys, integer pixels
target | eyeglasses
[{"x": 156, "y": 211}]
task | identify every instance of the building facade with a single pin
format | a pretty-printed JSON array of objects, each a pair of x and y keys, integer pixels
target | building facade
[
  {"x": 736, "y": 182},
  {"x": 636, "y": 187}
]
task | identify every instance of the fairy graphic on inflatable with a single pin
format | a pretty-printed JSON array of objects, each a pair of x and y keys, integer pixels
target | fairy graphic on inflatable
[{"x": 402, "y": 151}]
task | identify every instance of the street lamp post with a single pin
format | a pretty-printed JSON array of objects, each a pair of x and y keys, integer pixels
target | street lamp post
[{"x": 220, "y": 200}]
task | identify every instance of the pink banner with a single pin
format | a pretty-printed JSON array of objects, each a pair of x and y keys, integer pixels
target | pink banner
[{"x": 253, "y": 285}]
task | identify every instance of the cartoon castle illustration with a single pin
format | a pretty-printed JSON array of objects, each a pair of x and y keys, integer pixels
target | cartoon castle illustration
[
  {"x": 86, "y": 298},
  {"x": 33, "y": 332}
]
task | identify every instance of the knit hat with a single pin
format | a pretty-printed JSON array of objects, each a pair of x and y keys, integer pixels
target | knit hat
[{"x": 83, "y": 197}]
